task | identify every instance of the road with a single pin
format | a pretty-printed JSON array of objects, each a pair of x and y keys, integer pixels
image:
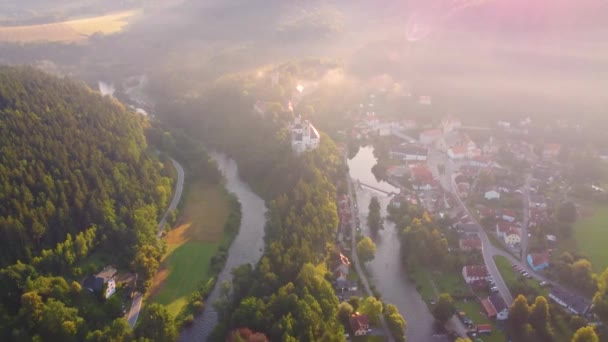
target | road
[
  {"x": 355, "y": 257},
  {"x": 135, "y": 308},
  {"x": 524, "y": 229},
  {"x": 488, "y": 251},
  {"x": 177, "y": 195}
]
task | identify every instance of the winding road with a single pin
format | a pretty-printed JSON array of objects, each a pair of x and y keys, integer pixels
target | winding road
[{"x": 177, "y": 195}]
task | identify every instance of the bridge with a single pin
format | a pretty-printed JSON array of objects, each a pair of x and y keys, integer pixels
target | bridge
[{"x": 389, "y": 193}]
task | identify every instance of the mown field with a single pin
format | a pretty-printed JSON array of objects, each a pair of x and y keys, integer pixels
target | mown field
[
  {"x": 591, "y": 234},
  {"x": 77, "y": 30},
  {"x": 198, "y": 235}
]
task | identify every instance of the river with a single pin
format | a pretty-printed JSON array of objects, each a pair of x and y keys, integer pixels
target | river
[
  {"x": 247, "y": 247},
  {"x": 386, "y": 272}
]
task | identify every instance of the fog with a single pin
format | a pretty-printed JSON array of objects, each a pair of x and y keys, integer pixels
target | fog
[{"x": 475, "y": 58}]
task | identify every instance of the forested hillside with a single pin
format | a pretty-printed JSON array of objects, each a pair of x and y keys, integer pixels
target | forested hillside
[
  {"x": 76, "y": 180},
  {"x": 69, "y": 160}
]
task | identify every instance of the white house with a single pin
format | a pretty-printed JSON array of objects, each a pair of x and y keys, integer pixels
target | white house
[
  {"x": 304, "y": 136},
  {"x": 491, "y": 195},
  {"x": 102, "y": 282}
]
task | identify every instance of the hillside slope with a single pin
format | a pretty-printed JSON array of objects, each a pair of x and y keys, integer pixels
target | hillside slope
[{"x": 69, "y": 159}]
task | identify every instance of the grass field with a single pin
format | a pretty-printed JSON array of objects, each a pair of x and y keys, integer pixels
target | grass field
[
  {"x": 512, "y": 277},
  {"x": 191, "y": 245},
  {"x": 591, "y": 234},
  {"x": 77, "y": 30}
]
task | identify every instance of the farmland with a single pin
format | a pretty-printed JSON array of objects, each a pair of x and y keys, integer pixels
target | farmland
[
  {"x": 70, "y": 31},
  {"x": 190, "y": 246}
]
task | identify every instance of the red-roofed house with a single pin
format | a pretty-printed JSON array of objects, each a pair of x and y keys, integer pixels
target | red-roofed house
[
  {"x": 457, "y": 152},
  {"x": 474, "y": 273},
  {"x": 484, "y": 329},
  {"x": 538, "y": 261},
  {"x": 359, "y": 324},
  {"x": 488, "y": 308},
  {"x": 470, "y": 244}
]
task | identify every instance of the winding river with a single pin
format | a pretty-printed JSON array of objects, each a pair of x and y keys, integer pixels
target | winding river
[
  {"x": 247, "y": 247},
  {"x": 386, "y": 272}
]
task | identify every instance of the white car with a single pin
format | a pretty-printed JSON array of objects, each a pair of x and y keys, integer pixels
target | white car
[{"x": 494, "y": 289}]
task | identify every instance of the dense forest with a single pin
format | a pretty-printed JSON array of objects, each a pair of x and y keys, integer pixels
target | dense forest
[{"x": 76, "y": 179}]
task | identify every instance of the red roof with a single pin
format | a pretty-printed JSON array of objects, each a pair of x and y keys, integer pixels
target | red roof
[
  {"x": 470, "y": 243},
  {"x": 421, "y": 173},
  {"x": 358, "y": 322},
  {"x": 488, "y": 307},
  {"x": 484, "y": 328},
  {"x": 540, "y": 258},
  {"x": 475, "y": 271},
  {"x": 431, "y": 133}
]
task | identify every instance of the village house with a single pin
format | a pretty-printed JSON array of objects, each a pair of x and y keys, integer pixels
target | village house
[
  {"x": 572, "y": 302},
  {"x": 495, "y": 307},
  {"x": 359, "y": 324},
  {"x": 492, "y": 195},
  {"x": 422, "y": 177},
  {"x": 502, "y": 310},
  {"x": 103, "y": 282},
  {"x": 473, "y": 273},
  {"x": 503, "y": 228},
  {"x": 409, "y": 153},
  {"x": 469, "y": 244},
  {"x": 508, "y": 215},
  {"x": 538, "y": 261},
  {"x": 512, "y": 237}
]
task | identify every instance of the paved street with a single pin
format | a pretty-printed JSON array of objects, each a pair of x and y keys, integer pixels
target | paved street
[{"x": 133, "y": 313}]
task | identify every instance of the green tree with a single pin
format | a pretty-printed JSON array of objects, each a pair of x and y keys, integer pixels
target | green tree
[
  {"x": 519, "y": 312},
  {"x": 59, "y": 322},
  {"x": 156, "y": 324},
  {"x": 344, "y": 312},
  {"x": 374, "y": 218},
  {"x": 444, "y": 309},
  {"x": 366, "y": 249},
  {"x": 372, "y": 308},
  {"x": 585, "y": 334},
  {"x": 600, "y": 299},
  {"x": 396, "y": 322},
  {"x": 540, "y": 318}
]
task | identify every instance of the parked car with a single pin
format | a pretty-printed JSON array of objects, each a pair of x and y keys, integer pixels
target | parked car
[{"x": 494, "y": 289}]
